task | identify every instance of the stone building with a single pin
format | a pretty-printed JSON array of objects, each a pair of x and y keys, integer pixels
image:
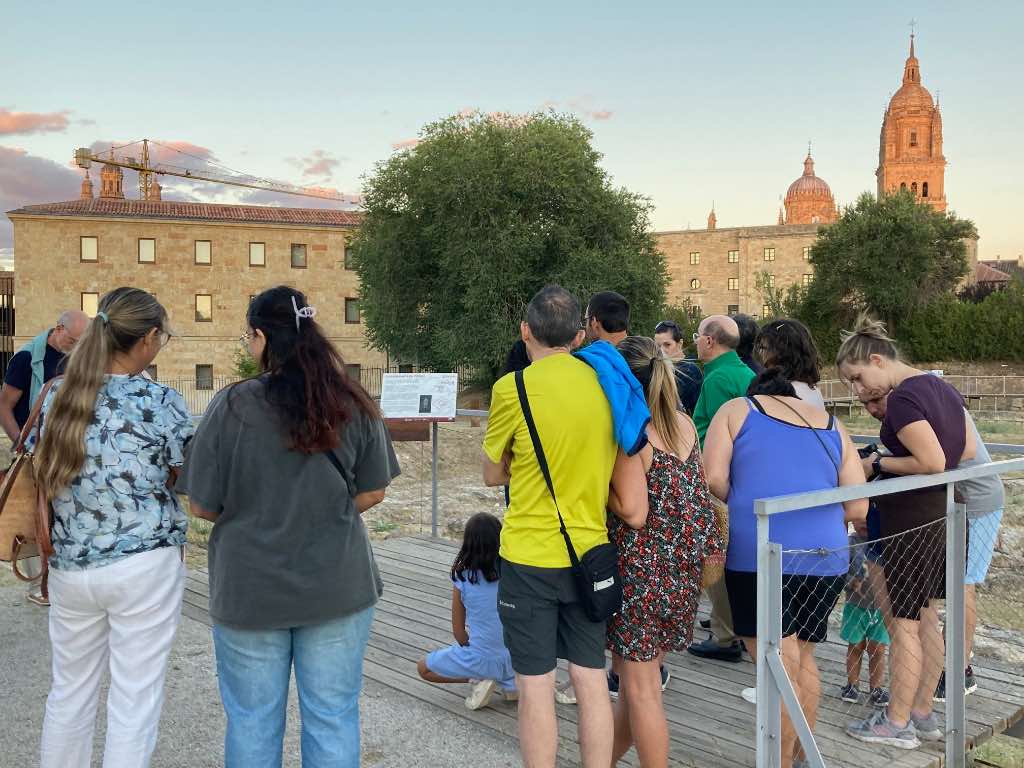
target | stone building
[
  {"x": 716, "y": 270},
  {"x": 202, "y": 261}
]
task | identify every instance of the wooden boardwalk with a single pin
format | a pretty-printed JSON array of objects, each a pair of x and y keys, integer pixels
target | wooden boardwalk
[{"x": 710, "y": 725}]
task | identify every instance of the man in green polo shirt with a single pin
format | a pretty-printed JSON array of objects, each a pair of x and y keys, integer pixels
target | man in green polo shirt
[{"x": 725, "y": 377}]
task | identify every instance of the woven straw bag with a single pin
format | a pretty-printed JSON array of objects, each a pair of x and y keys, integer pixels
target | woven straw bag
[{"x": 714, "y": 565}]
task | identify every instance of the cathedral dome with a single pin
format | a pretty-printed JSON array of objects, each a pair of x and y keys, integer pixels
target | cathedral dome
[
  {"x": 809, "y": 185},
  {"x": 912, "y": 96},
  {"x": 809, "y": 199}
]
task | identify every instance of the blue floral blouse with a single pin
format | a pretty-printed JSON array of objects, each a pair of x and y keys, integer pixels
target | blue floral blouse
[{"x": 119, "y": 504}]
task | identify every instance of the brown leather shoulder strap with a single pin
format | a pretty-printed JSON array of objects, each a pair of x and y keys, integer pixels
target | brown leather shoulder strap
[{"x": 33, "y": 416}]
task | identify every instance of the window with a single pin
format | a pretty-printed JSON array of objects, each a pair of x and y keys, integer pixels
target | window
[
  {"x": 807, "y": 279},
  {"x": 734, "y": 309},
  {"x": 352, "y": 311},
  {"x": 89, "y": 249},
  {"x": 769, "y": 254},
  {"x": 903, "y": 186},
  {"x": 298, "y": 255},
  {"x": 151, "y": 372},
  {"x": 348, "y": 258},
  {"x": 694, "y": 258},
  {"x": 204, "y": 376},
  {"x": 204, "y": 252},
  {"x": 91, "y": 303},
  {"x": 734, "y": 257},
  {"x": 405, "y": 368},
  {"x": 769, "y": 281},
  {"x": 924, "y": 189},
  {"x": 807, "y": 253},
  {"x": 766, "y": 312},
  {"x": 257, "y": 254},
  {"x": 694, "y": 284},
  {"x": 204, "y": 308},
  {"x": 353, "y": 371},
  {"x": 695, "y": 311},
  {"x": 913, "y": 188},
  {"x": 913, "y": 138},
  {"x": 734, "y": 283},
  {"x": 147, "y": 250}
]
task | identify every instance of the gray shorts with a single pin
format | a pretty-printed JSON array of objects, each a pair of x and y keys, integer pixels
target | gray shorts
[{"x": 543, "y": 621}]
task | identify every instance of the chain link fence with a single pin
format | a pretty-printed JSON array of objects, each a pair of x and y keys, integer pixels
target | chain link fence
[{"x": 908, "y": 667}]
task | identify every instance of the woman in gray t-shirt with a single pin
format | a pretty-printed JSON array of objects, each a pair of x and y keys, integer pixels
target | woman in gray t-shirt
[{"x": 284, "y": 465}]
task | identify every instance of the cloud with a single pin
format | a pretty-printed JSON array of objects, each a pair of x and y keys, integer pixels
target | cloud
[
  {"x": 405, "y": 144},
  {"x": 32, "y": 122},
  {"x": 26, "y": 179},
  {"x": 581, "y": 106},
  {"x": 320, "y": 164}
]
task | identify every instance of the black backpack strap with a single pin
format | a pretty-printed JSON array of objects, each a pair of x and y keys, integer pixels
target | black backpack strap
[{"x": 538, "y": 449}]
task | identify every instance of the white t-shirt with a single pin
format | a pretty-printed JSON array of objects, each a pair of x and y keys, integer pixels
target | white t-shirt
[{"x": 809, "y": 394}]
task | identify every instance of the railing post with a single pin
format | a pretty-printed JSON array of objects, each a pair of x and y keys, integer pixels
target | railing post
[
  {"x": 433, "y": 478},
  {"x": 769, "y": 638},
  {"x": 956, "y": 568}
]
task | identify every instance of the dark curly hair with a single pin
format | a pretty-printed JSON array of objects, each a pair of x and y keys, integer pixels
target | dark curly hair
[
  {"x": 789, "y": 345},
  {"x": 771, "y": 381},
  {"x": 479, "y": 552},
  {"x": 304, "y": 375}
]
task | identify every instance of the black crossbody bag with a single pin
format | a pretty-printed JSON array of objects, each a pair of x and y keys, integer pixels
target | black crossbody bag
[{"x": 597, "y": 573}]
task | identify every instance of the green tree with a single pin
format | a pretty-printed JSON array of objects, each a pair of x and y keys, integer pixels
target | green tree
[
  {"x": 246, "y": 366},
  {"x": 892, "y": 256},
  {"x": 462, "y": 229},
  {"x": 781, "y": 301}
]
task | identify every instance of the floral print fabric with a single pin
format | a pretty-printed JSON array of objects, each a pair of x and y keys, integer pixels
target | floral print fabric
[
  {"x": 119, "y": 504},
  {"x": 661, "y": 564}
]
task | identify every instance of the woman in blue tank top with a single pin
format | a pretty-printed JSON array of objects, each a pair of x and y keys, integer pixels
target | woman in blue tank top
[{"x": 774, "y": 444}]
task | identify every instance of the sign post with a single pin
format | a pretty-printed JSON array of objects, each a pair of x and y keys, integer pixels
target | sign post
[{"x": 412, "y": 404}]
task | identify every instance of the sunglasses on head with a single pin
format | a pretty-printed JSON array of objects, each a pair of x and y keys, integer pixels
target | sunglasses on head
[{"x": 666, "y": 325}]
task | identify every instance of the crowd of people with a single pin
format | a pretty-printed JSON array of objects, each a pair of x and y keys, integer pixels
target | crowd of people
[{"x": 598, "y": 436}]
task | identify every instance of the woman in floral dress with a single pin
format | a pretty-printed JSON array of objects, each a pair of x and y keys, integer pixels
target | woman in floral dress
[{"x": 662, "y": 562}]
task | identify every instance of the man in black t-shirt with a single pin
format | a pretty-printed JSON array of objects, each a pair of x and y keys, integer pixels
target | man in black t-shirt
[{"x": 45, "y": 354}]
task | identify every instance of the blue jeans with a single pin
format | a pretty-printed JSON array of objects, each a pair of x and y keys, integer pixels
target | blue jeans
[{"x": 254, "y": 669}]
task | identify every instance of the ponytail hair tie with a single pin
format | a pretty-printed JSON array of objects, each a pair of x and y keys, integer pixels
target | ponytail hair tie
[
  {"x": 101, "y": 315},
  {"x": 301, "y": 312}
]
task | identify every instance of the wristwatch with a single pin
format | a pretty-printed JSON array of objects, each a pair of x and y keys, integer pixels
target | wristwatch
[{"x": 876, "y": 465}]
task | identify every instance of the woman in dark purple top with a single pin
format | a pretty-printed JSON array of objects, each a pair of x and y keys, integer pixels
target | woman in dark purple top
[{"x": 925, "y": 432}]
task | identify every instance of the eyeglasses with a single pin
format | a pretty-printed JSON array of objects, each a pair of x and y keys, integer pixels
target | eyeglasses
[{"x": 696, "y": 336}]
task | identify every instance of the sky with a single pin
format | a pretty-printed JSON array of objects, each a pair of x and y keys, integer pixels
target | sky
[{"x": 691, "y": 104}]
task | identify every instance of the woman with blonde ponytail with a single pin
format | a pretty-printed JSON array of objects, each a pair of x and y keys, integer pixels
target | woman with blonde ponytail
[
  {"x": 925, "y": 431},
  {"x": 661, "y": 562},
  {"x": 110, "y": 443}
]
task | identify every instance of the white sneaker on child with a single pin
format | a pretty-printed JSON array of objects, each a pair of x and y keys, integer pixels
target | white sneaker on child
[{"x": 480, "y": 696}]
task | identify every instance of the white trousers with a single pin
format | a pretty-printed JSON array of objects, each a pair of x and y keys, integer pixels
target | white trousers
[{"x": 125, "y": 613}]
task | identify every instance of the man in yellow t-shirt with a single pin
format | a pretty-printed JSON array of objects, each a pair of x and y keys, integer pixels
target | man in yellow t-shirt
[{"x": 541, "y": 616}]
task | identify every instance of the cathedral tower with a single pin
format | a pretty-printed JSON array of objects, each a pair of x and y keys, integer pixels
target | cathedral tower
[{"x": 910, "y": 146}]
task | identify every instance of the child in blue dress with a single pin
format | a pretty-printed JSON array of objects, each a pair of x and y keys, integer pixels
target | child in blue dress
[{"x": 479, "y": 654}]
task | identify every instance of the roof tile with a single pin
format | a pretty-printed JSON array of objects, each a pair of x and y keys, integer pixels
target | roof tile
[{"x": 169, "y": 209}]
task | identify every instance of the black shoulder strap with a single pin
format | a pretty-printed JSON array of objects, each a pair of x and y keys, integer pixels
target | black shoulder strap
[
  {"x": 757, "y": 405},
  {"x": 332, "y": 457},
  {"x": 538, "y": 449}
]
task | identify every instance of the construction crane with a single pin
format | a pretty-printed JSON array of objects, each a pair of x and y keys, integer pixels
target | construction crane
[{"x": 148, "y": 170}]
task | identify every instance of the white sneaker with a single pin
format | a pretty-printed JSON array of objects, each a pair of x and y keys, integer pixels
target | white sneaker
[
  {"x": 749, "y": 694},
  {"x": 480, "y": 696},
  {"x": 565, "y": 694}
]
